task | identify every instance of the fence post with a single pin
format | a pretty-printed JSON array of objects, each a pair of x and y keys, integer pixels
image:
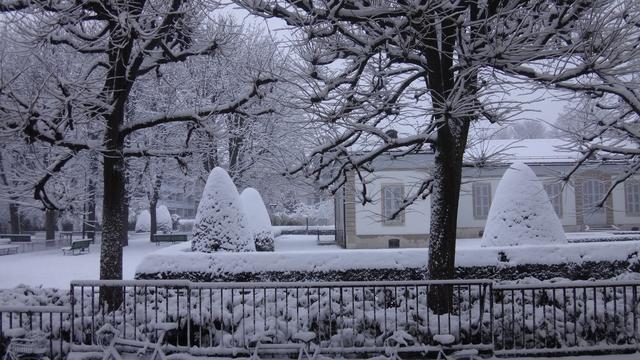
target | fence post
[
  {"x": 491, "y": 304},
  {"x": 189, "y": 317},
  {"x": 73, "y": 303}
]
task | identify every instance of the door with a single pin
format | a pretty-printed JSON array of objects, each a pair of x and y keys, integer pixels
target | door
[{"x": 592, "y": 191}]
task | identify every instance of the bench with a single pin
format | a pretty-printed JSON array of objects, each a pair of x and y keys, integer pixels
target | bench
[
  {"x": 172, "y": 238},
  {"x": 17, "y": 237},
  {"x": 80, "y": 246},
  {"x": 8, "y": 249}
]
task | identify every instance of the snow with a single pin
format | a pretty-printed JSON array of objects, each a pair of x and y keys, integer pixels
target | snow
[
  {"x": 143, "y": 221},
  {"x": 527, "y": 150},
  {"x": 220, "y": 222},
  {"x": 521, "y": 212},
  {"x": 83, "y": 356},
  {"x": 163, "y": 220},
  {"x": 51, "y": 269},
  {"x": 179, "y": 258},
  {"x": 258, "y": 219}
]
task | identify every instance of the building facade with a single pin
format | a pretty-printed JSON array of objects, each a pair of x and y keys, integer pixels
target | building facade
[{"x": 371, "y": 225}]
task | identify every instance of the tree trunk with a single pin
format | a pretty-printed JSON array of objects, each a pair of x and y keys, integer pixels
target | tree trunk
[
  {"x": 153, "y": 218},
  {"x": 14, "y": 218},
  {"x": 50, "y": 224},
  {"x": 444, "y": 219},
  {"x": 114, "y": 229}
]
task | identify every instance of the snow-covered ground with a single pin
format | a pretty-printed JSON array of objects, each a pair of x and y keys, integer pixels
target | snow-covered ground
[
  {"x": 80, "y": 356},
  {"x": 50, "y": 268}
]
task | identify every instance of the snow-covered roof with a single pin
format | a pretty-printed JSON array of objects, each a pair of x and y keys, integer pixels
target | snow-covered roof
[{"x": 528, "y": 151}]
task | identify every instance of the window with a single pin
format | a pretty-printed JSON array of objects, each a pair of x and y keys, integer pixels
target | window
[
  {"x": 632, "y": 197},
  {"x": 481, "y": 199},
  {"x": 392, "y": 198},
  {"x": 394, "y": 243},
  {"x": 554, "y": 190}
]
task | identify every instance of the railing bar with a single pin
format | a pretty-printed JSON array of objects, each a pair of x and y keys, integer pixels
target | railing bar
[
  {"x": 524, "y": 318},
  {"x": 533, "y": 311},
  {"x": 513, "y": 317},
  {"x": 82, "y": 314},
  {"x": 201, "y": 318},
  {"x": 222, "y": 317},
  {"x": 244, "y": 326},
  {"x": 395, "y": 307}
]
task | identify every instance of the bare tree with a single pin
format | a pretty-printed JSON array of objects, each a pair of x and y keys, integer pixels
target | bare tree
[
  {"x": 603, "y": 68},
  {"x": 426, "y": 66},
  {"x": 111, "y": 46}
]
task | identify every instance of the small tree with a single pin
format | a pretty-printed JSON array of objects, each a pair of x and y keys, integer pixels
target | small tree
[
  {"x": 220, "y": 222},
  {"x": 521, "y": 212},
  {"x": 258, "y": 217}
]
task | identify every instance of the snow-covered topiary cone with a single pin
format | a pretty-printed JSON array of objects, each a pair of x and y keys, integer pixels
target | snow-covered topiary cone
[
  {"x": 521, "y": 212},
  {"x": 220, "y": 223},
  {"x": 258, "y": 218},
  {"x": 163, "y": 218},
  {"x": 143, "y": 221}
]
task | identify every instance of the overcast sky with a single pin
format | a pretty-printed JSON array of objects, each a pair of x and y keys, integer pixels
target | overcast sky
[{"x": 540, "y": 105}]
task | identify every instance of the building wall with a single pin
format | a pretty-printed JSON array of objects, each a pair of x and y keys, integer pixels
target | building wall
[
  {"x": 620, "y": 216},
  {"x": 364, "y": 227}
]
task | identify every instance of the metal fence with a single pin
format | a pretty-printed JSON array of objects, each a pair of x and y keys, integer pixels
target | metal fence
[
  {"x": 579, "y": 315},
  {"x": 339, "y": 316},
  {"x": 48, "y": 324},
  {"x": 364, "y": 317}
]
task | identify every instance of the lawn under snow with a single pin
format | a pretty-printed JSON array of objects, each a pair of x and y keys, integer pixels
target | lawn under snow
[{"x": 51, "y": 268}]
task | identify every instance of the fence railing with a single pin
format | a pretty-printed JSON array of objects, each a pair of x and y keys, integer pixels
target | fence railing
[
  {"x": 349, "y": 316},
  {"x": 50, "y": 324},
  {"x": 366, "y": 317},
  {"x": 575, "y": 315}
]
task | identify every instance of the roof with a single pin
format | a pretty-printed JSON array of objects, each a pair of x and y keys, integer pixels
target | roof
[{"x": 528, "y": 150}]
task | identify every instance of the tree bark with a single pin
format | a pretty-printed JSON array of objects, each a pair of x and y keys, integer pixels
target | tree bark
[
  {"x": 444, "y": 215},
  {"x": 14, "y": 218},
  {"x": 447, "y": 172},
  {"x": 91, "y": 211},
  {"x": 114, "y": 229},
  {"x": 50, "y": 224},
  {"x": 153, "y": 218}
]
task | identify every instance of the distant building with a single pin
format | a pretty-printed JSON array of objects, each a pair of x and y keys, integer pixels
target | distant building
[{"x": 370, "y": 226}]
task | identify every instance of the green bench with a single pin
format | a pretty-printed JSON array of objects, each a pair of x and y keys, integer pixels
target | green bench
[
  {"x": 77, "y": 247},
  {"x": 172, "y": 238},
  {"x": 16, "y": 237}
]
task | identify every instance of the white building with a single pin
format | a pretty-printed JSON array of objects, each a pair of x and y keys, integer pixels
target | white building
[{"x": 370, "y": 226}]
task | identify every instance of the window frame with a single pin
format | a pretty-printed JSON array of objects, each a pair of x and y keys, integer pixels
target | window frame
[
  {"x": 627, "y": 192},
  {"x": 547, "y": 186},
  {"x": 475, "y": 196},
  {"x": 400, "y": 219}
]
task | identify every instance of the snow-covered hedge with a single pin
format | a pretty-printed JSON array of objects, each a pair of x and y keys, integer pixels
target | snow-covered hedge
[
  {"x": 576, "y": 261},
  {"x": 521, "y": 212},
  {"x": 220, "y": 223},
  {"x": 258, "y": 219}
]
